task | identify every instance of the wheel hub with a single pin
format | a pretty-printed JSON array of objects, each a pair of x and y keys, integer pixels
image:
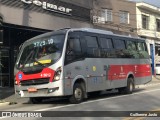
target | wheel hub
[
  {"x": 131, "y": 87},
  {"x": 78, "y": 93}
]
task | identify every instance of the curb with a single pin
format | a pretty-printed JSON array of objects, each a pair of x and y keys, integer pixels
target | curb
[
  {"x": 4, "y": 103},
  {"x": 147, "y": 85}
]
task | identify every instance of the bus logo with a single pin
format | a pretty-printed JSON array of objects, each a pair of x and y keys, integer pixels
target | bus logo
[{"x": 20, "y": 76}]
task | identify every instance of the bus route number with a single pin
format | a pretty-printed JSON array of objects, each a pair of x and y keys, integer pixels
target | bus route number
[{"x": 43, "y": 43}]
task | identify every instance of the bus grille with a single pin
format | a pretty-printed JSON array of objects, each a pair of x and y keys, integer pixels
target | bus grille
[{"x": 35, "y": 82}]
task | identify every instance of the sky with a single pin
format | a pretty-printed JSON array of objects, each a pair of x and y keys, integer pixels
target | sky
[{"x": 152, "y": 2}]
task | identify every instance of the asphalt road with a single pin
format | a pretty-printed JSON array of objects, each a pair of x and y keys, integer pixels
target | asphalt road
[{"x": 143, "y": 99}]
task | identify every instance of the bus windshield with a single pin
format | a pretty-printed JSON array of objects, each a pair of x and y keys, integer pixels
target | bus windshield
[{"x": 41, "y": 52}]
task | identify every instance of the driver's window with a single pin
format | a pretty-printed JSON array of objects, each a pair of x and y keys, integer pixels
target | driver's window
[{"x": 73, "y": 49}]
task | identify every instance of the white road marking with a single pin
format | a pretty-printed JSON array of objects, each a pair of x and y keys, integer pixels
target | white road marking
[{"x": 52, "y": 108}]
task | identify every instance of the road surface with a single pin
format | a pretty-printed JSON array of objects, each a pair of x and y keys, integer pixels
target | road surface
[{"x": 143, "y": 99}]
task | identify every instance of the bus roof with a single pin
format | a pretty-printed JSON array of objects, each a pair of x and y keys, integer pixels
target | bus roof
[{"x": 93, "y": 30}]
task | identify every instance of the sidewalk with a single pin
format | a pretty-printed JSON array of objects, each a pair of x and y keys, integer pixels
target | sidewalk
[
  {"x": 7, "y": 95},
  {"x": 155, "y": 79}
]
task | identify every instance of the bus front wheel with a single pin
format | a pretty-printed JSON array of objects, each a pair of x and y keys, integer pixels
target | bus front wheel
[{"x": 78, "y": 94}]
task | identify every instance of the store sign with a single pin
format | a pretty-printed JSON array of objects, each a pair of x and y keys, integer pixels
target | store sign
[
  {"x": 49, "y": 6},
  {"x": 60, "y": 8}
]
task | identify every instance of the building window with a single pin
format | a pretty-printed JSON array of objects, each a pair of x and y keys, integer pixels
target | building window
[
  {"x": 145, "y": 22},
  {"x": 124, "y": 17},
  {"x": 158, "y": 25},
  {"x": 107, "y": 14},
  {"x": 157, "y": 49}
]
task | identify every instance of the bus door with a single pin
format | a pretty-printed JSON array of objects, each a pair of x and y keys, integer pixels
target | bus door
[
  {"x": 93, "y": 63},
  {"x": 74, "y": 61},
  {"x": 107, "y": 53}
]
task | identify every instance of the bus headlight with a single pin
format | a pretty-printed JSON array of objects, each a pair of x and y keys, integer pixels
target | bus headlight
[
  {"x": 16, "y": 83},
  {"x": 58, "y": 74}
]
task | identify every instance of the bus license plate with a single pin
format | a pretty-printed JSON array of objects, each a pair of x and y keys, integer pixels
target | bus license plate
[{"x": 32, "y": 89}]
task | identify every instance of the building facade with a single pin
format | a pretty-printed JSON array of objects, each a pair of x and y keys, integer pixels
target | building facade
[
  {"x": 23, "y": 19},
  {"x": 116, "y": 15},
  {"x": 148, "y": 27}
]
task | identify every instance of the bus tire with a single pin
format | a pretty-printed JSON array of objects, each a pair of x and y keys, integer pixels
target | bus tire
[
  {"x": 78, "y": 94},
  {"x": 130, "y": 86},
  {"x": 35, "y": 100}
]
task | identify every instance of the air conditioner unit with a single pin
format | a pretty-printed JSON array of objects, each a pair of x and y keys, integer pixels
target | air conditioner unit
[
  {"x": 102, "y": 20},
  {"x": 97, "y": 19}
]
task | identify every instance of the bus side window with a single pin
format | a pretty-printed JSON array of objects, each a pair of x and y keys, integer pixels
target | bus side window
[
  {"x": 142, "y": 50},
  {"x": 120, "y": 48},
  {"x": 131, "y": 50},
  {"x": 92, "y": 46},
  {"x": 74, "y": 50},
  {"x": 106, "y": 45}
]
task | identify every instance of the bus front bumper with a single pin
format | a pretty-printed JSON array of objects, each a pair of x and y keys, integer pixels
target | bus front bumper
[{"x": 48, "y": 90}]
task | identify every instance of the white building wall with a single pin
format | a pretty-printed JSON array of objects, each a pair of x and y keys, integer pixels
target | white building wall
[
  {"x": 152, "y": 31},
  {"x": 151, "y": 34}
]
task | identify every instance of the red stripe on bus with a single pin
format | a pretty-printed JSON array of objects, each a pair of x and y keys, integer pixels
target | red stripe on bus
[
  {"x": 119, "y": 72},
  {"x": 46, "y": 73}
]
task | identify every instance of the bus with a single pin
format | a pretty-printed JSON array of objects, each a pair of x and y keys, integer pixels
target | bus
[{"x": 73, "y": 62}]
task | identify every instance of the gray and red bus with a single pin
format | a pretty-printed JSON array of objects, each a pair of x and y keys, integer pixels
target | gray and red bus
[{"x": 74, "y": 62}]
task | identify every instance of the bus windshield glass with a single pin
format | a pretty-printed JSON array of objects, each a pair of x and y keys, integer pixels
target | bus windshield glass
[{"x": 41, "y": 52}]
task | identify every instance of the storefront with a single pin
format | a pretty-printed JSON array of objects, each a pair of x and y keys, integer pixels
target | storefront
[
  {"x": 23, "y": 19},
  {"x": 153, "y": 45}
]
